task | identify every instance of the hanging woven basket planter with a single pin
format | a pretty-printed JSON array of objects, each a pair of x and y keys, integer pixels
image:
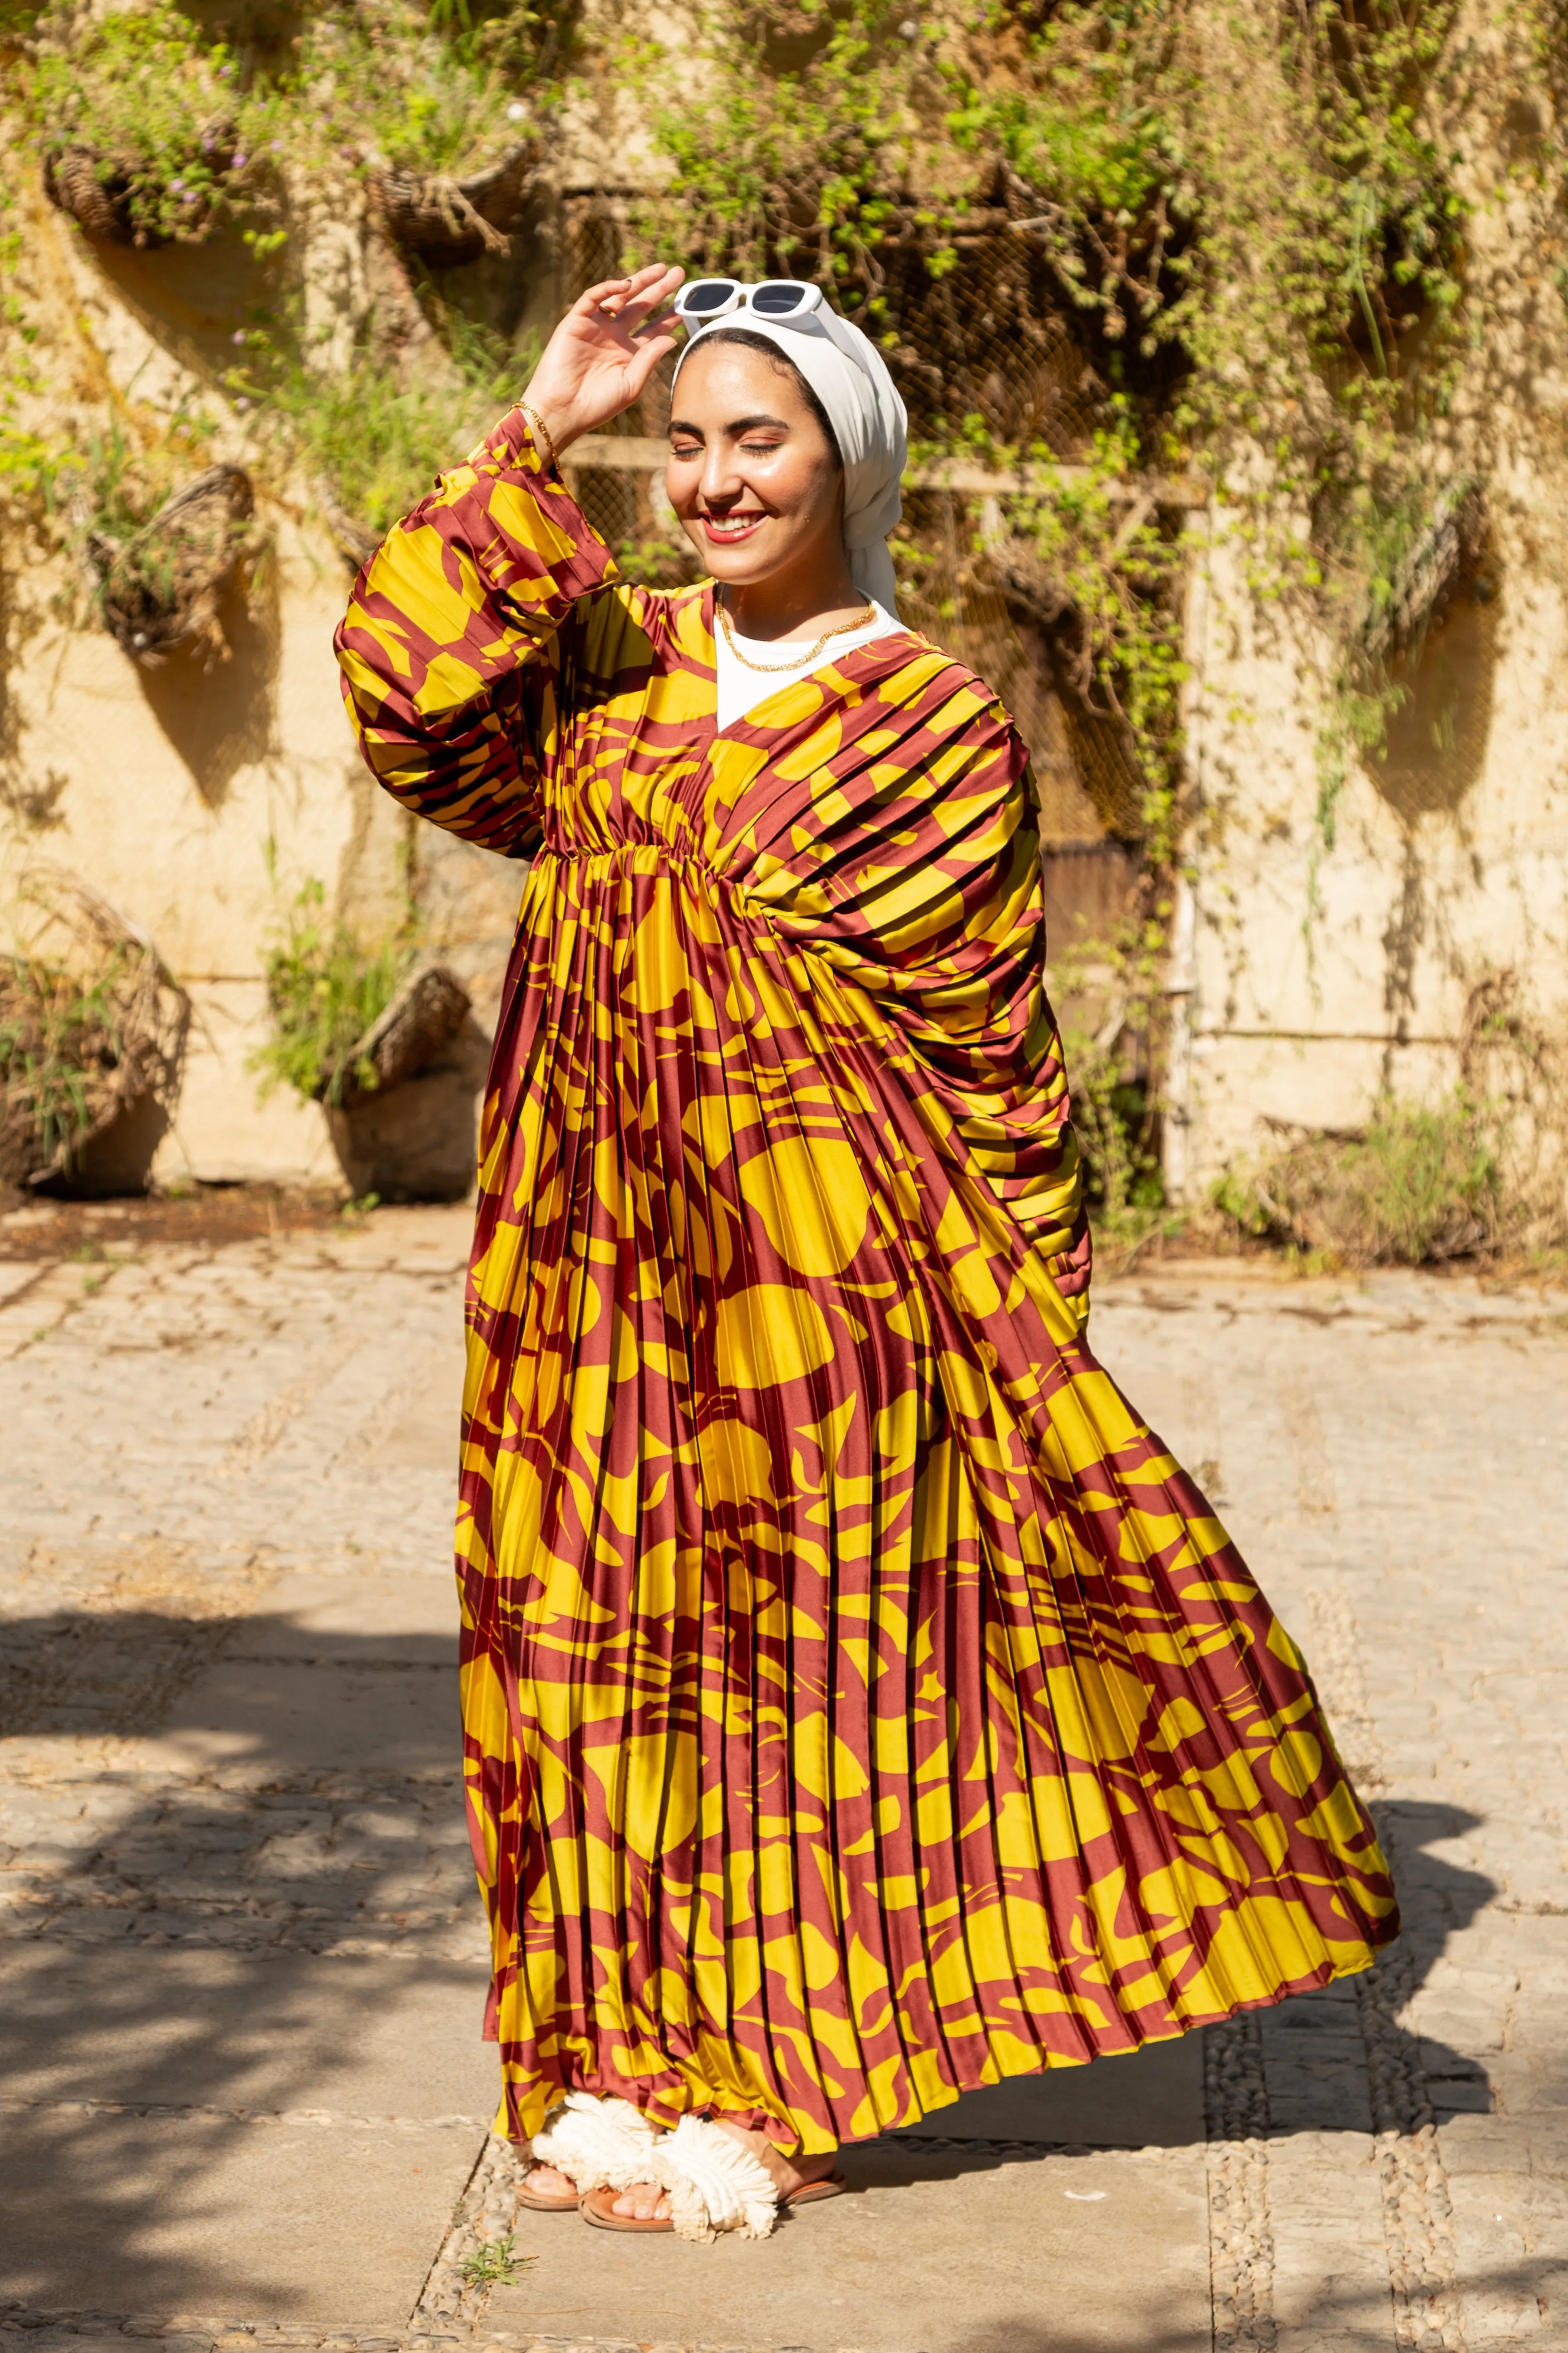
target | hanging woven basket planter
[
  {"x": 425, "y": 1014},
  {"x": 1442, "y": 557},
  {"x": 447, "y": 220},
  {"x": 90, "y": 1024},
  {"x": 118, "y": 199},
  {"x": 93, "y": 190},
  {"x": 160, "y": 588}
]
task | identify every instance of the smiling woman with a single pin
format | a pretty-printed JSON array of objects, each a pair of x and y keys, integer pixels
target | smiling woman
[
  {"x": 757, "y": 478},
  {"x": 860, "y": 1704}
]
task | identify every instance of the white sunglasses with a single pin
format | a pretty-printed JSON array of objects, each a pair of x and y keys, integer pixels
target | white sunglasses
[{"x": 716, "y": 298}]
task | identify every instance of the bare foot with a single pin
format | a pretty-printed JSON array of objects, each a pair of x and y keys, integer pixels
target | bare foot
[
  {"x": 645, "y": 2201},
  {"x": 788, "y": 2173},
  {"x": 549, "y": 2182}
]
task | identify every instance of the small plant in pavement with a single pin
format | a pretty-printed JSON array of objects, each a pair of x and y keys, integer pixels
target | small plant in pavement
[{"x": 496, "y": 2264}]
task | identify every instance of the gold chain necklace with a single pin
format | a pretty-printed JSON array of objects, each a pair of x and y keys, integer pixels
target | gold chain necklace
[{"x": 861, "y": 621}]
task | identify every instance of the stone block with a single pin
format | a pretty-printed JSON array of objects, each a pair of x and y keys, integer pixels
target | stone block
[
  {"x": 1495, "y": 2317},
  {"x": 943, "y": 2253},
  {"x": 148, "y": 2212},
  {"x": 290, "y": 1718},
  {"x": 1482, "y": 2145},
  {"x": 221, "y": 2030}
]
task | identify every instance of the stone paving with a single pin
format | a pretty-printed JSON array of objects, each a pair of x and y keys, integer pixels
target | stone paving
[{"x": 244, "y": 2101}]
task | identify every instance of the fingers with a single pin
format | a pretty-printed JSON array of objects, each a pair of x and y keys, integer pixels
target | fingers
[
  {"x": 607, "y": 295},
  {"x": 645, "y": 313},
  {"x": 650, "y": 349},
  {"x": 621, "y": 298}
]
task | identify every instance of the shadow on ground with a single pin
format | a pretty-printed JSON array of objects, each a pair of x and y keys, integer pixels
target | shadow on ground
[
  {"x": 240, "y": 2051},
  {"x": 241, "y": 2054}
]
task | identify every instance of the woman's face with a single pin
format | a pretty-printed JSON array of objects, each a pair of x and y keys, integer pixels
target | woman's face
[{"x": 751, "y": 473}]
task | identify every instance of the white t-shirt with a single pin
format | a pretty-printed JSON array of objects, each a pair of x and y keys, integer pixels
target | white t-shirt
[{"x": 740, "y": 690}]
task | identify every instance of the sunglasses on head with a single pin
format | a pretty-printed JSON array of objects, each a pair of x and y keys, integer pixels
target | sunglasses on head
[{"x": 716, "y": 298}]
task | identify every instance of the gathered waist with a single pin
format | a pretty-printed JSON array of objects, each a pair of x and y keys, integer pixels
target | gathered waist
[{"x": 631, "y": 858}]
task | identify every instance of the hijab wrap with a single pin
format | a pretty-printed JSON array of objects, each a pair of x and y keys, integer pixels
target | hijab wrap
[{"x": 849, "y": 377}]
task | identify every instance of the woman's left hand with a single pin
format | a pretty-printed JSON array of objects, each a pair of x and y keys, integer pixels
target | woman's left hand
[{"x": 602, "y": 353}]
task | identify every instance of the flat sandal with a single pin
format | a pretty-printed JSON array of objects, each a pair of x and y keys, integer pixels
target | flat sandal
[{"x": 596, "y": 2206}]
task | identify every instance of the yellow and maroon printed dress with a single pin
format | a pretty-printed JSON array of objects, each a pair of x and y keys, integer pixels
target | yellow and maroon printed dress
[{"x": 860, "y": 1705}]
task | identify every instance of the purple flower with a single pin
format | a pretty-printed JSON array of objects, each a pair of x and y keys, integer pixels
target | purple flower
[
  {"x": 240, "y": 162},
  {"x": 239, "y": 335},
  {"x": 277, "y": 146},
  {"x": 189, "y": 198},
  {"x": 242, "y": 402},
  {"x": 175, "y": 186}
]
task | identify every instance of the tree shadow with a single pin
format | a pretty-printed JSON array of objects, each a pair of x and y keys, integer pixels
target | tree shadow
[
  {"x": 240, "y": 2028},
  {"x": 255, "y": 1943}
]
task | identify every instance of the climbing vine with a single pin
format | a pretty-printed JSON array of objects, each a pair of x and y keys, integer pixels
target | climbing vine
[{"x": 1107, "y": 246}]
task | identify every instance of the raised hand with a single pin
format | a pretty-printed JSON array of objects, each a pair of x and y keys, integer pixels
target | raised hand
[{"x": 602, "y": 353}]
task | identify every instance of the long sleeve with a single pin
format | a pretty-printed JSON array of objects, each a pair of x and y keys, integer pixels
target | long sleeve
[{"x": 449, "y": 648}]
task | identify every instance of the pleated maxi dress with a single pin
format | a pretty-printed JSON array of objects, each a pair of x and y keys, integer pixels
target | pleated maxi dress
[{"x": 860, "y": 1705}]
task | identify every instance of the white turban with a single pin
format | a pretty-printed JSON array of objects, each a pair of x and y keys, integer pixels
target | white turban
[{"x": 849, "y": 377}]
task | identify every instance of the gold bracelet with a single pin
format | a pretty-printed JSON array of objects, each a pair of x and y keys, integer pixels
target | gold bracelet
[{"x": 543, "y": 433}]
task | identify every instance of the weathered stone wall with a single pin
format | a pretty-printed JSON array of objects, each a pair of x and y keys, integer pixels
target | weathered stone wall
[
  {"x": 1307, "y": 978},
  {"x": 196, "y": 796}
]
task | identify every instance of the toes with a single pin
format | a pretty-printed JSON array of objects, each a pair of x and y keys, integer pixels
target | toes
[{"x": 643, "y": 2202}]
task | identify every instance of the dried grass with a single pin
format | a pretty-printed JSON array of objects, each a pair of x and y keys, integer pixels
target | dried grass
[{"x": 1481, "y": 1173}]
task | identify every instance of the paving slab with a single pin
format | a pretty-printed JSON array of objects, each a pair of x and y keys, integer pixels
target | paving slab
[
  {"x": 951, "y": 2253},
  {"x": 309, "y": 1715},
  {"x": 242, "y": 1960},
  {"x": 260, "y": 2220},
  {"x": 357, "y": 2037},
  {"x": 1150, "y": 2098},
  {"x": 317, "y": 1614}
]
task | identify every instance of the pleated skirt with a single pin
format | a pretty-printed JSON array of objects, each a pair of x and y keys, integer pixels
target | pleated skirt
[{"x": 860, "y": 1705}]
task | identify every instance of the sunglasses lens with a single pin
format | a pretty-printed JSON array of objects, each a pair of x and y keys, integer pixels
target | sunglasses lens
[
  {"x": 708, "y": 294},
  {"x": 777, "y": 297}
]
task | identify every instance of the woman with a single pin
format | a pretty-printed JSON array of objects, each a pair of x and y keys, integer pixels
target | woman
[{"x": 860, "y": 1705}]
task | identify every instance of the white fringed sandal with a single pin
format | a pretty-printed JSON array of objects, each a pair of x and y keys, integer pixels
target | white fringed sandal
[
  {"x": 598, "y": 2144},
  {"x": 713, "y": 2183}
]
